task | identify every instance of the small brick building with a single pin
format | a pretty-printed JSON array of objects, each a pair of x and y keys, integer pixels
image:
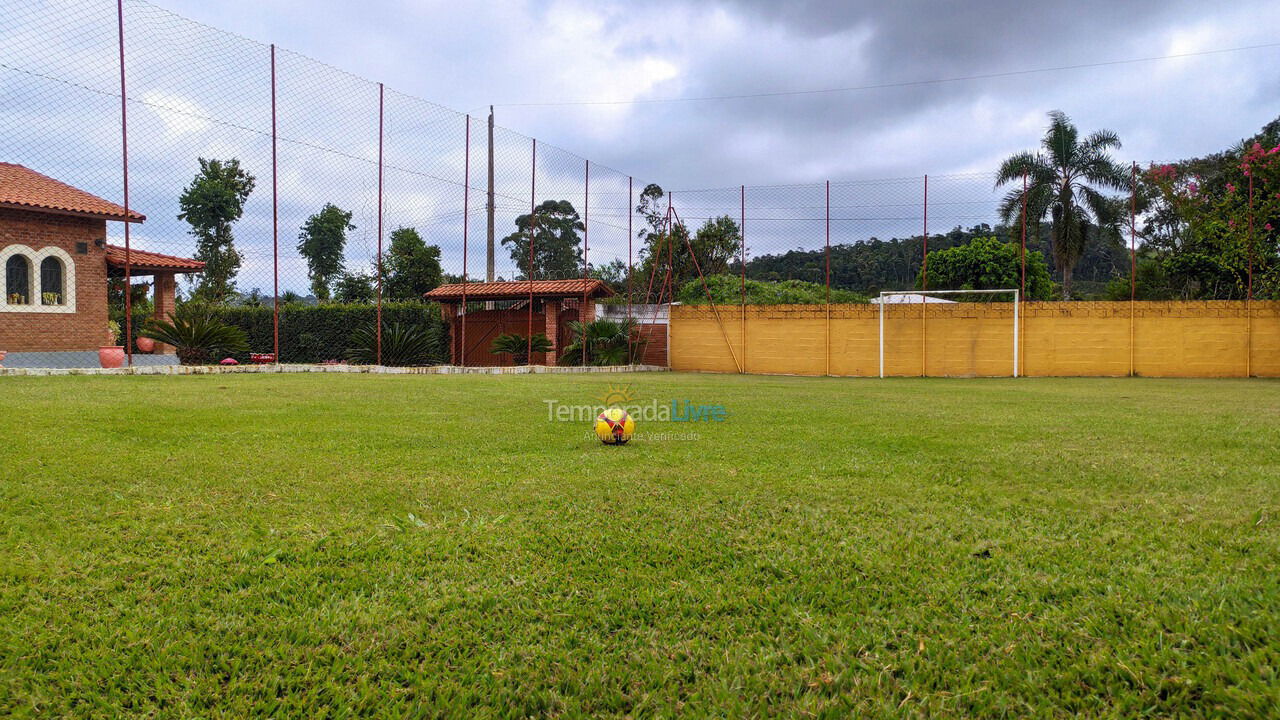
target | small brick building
[
  {"x": 56, "y": 262},
  {"x": 506, "y": 310}
]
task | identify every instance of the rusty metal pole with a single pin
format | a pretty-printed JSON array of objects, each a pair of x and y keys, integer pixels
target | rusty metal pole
[
  {"x": 275, "y": 221},
  {"x": 1248, "y": 300},
  {"x": 586, "y": 246},
  {"x": 1133, "y": 269},
  {"x": 124, "y": 151},
  {"x": 742, "y": 232},
  {"x": 828, "y": 279},
  {"x": 533, "y": 223},
  {"x": 924, "y": 285},
  {"x": 1022, "y": 285},
  {"x": 630, "y": 347},
  {"x": 379, "y": 318},
  {"x": 466, "y": 217}
]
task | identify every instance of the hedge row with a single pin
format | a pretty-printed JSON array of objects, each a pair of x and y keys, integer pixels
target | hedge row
[{"x": 317, "y": 333}]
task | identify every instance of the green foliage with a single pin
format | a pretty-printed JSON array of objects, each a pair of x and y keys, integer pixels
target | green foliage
[
  {"x": 354, "y": 287},
  {"x": 727, "y": 290},
  {"x": 402, "y": 345},
  {"x": 321, "y": 241},
  {"x": 410, "y": 267},
  {"x": 1063, "y": 182},
  {"x": 322, "y": 333},
  {"x": 518, "y": 346},
  {"x": 196, "y": 333},
  {"x": 607, "y": 342},
  {"x": 210, "y": 204},
  {"x": 557, "y": 249},
  {"x": 988, "y": 264},
  {"x": 708, "y": 252},
  {"x": 1216, "y": 221}
]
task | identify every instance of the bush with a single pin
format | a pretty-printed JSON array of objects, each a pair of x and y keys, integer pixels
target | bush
[
  {"x": 402, "y": 345},
  {"x": 199, "y": 337},
  {"x": 727, "y": 290},
  {"x": 988, "y": 264},
  {"x": 320, "y": 333},
  {"x": 517, "y": 346}
]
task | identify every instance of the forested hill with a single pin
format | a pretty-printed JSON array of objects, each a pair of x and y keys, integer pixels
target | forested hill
[{"x": 874, "y": 265}]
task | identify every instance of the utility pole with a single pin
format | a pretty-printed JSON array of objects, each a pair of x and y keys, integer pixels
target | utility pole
[{"x": 488, "y": 276}]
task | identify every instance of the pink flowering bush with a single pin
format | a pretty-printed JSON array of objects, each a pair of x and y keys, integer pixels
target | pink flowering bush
[{"x": 1229, "y": 231}]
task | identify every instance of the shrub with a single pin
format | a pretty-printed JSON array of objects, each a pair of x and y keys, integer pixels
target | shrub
[
  {"x": 727, "y": 290},
  {"x": 402, "y": 345},
  {"x": 606, "y": 341},
  {"x": 517, "y": 346},
  {"x": 197, "y": 335}
]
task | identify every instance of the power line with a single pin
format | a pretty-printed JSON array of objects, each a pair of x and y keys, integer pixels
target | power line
[{"x": 907, "y": 83}]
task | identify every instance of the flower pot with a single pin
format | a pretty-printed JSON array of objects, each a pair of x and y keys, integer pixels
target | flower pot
[
  {"x": 2, "y": 354},
  {"x": 145, "y": 344},
  {"x": 111, "y": 356}
]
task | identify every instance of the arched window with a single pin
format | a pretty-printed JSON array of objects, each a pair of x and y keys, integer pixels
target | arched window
[
  {"x": 52, "y": 282},
  {"x": 17, "y": 280}
]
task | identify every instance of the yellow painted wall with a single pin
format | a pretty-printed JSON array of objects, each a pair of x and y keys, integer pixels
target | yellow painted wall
[{"x": 1158, "y": 339}]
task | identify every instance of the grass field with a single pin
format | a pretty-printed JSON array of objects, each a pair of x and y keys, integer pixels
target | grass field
[{"x": 339, "y": 545}]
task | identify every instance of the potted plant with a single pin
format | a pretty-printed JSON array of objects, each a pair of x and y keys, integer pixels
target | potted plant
[{"x": 111, "y": 355}]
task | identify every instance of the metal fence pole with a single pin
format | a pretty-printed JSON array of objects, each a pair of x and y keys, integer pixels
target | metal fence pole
[
  {"x": 1248, "y": 300},
  {"x": 742, "y": 231},
  {"x": 1133, "y": 268},
  {"x": 1022, "y": 283},
  {"x": 828, "y": 280},
  {"x": 379, "y": 313},
  {"x": 275, "y": 220},
  {"x": 124, "y": 152},
  {"x": 924, "y": 284},
  {"x": 630, "y": 347},
  {"x": 466, "y": 217},
  {"x": 586, "y": 247},
  {"x": 533, "y": 223}
]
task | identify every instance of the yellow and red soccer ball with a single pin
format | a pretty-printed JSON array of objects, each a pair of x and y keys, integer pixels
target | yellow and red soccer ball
[{"x": 614, "y": 426}]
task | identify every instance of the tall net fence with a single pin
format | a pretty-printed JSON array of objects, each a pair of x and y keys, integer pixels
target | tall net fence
[
  {"x": 332, "y": 219},
  {"x": 314, "y": 202}
]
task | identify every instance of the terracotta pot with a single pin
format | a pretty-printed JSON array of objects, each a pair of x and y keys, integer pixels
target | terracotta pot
[
  {"x": 111, "y": 356},
  {"x": 145, "y": 344},
  {"x": 2, "y": 354}
]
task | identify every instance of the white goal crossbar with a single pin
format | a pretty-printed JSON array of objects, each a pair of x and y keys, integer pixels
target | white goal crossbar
[{"x": 925, "y": 294}]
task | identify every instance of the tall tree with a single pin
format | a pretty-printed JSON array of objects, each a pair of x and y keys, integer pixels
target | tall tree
[
  {"x": 557, "y": 248},
  {"x": 411, "y": 267},
  {"x": 210, "y": 204},
  {"x": 1063, "y": 181},
  {"x": 321, "y": 242}
]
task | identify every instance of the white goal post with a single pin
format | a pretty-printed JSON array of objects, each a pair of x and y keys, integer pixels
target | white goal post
[{"x": 925, "y": 294}]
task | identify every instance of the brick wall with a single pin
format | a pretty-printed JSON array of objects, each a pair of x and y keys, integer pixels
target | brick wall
[{"x": 86, "y": 328}]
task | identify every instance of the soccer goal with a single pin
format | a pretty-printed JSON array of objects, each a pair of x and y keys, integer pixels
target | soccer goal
[{"x": 924, "y": 297}]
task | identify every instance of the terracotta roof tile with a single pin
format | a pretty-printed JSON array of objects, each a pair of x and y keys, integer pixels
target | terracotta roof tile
[
  {"x": 143, "y": 260},
  {"x": 516, "y": 289},
  {"x": 22, "y": 187}
]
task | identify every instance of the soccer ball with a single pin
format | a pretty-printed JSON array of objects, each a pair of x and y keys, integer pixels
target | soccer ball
[{"x": 614, "y": 426}]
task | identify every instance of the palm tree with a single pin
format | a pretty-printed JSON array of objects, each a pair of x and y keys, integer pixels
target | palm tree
[
  {"x": 608, "y": 342},
  {"x": 518, "y": 346},
  {"x": 1062, "y": 182}
]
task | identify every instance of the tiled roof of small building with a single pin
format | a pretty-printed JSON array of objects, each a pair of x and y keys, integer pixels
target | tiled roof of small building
[
  {"x": 144, "y": 261},
  {"x": 516, "y": 289}
]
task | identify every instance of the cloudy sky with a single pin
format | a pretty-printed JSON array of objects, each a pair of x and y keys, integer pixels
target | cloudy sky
[
  {"x": 467, "y": 55},
  {"x": 593, "y": 78}
]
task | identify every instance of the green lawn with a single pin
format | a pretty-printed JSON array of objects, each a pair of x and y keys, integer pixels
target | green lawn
[{"x": 343, "y": 545}]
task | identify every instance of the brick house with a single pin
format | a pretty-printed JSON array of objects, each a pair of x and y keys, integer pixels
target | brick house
[{"x": 56, "y": 261}]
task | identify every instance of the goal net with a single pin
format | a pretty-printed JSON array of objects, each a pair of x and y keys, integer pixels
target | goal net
[{"x": 958, "y": 326}]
